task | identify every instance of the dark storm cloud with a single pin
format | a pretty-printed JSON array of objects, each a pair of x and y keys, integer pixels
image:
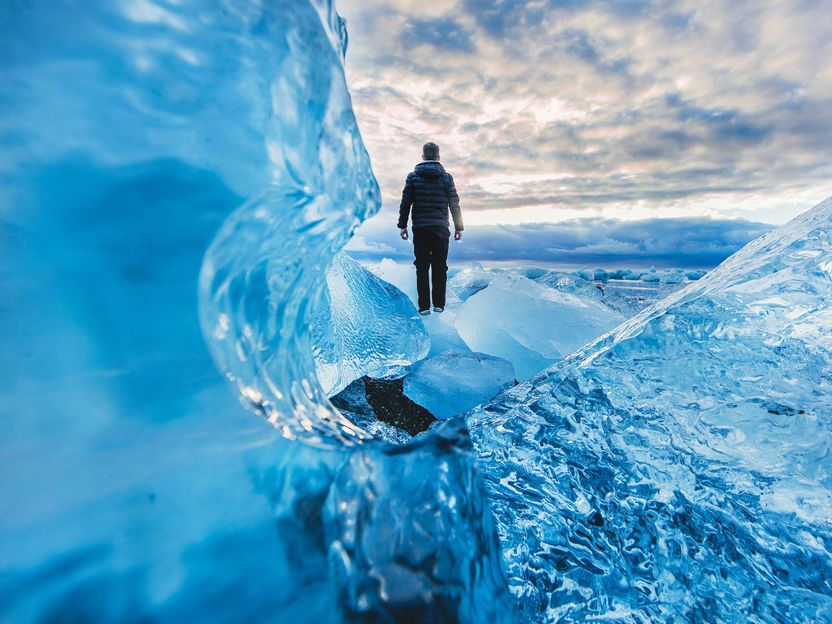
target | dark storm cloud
[{"x": 685, "y": 243}]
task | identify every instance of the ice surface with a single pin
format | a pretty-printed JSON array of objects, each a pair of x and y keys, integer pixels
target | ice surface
[
  {"x": 574, "y": 283},
  {"x": 676, "y": 471},
  {"x": 678, "y": 468},
  {"x": 402, "y": 276},
  {"x": 452, "y": 383},
  {"x": 470, "y": 280},
  {"x": 624, "y": 290},
  {"x": 365, "y": 326},
  {"x": 530, "y": 325}
]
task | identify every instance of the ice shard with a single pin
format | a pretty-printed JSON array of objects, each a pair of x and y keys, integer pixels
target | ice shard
[
  {"x": 678, "y": 468},
  {"x": 364, "y": 326}
]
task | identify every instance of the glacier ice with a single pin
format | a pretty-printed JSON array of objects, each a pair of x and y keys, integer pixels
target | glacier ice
[
  {"x": 132, "y": 484},
  {"x": 530, "y": 325},
  {"x": 677, "y": 469},
  {"x": 453, "y": 382},
  {"x": 624, "y": 290},
  {"x": 470, "y": 280},
  {"x": 402, "y": 276},
  {"x": 574, "y": 283},
  {"x": 674, "y": 471},
  {"x": 145, "y": 145},
  {"x": 363, "y": 326}
]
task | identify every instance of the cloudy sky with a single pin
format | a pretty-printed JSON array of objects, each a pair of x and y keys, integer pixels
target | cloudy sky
[{"x": 609, "y": 133}]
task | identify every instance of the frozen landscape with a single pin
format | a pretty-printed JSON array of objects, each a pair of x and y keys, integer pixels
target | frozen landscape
[
  {"x": 500, "y": 326},
  {"x": 176, "y": 313}
]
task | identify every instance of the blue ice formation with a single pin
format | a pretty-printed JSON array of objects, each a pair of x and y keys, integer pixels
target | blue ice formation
[
  {"x": 164, "y": 164},
  {"x": 363, "y": 326},
  {"x": 452, "y": 382},
  {"x": 411, "y": 537},
  {"x": 132, "y": 484},
  {"x": 170, "y": 163},
  {"x": 470, "y": 280},
  {"x": 528, "y": 324},
  {"x": 678, "y": 468}
]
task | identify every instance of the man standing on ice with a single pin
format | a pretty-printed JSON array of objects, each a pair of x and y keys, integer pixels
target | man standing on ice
[{"x": 430, "y": 191}]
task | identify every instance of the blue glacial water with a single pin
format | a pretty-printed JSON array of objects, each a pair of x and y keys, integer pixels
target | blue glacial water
[{"x": 175, "y": 181}]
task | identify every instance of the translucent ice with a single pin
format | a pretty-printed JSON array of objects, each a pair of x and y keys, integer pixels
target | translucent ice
[
  {"x": 530, "y": 325},
  {"x": 574, "y": 283},
  {"x": 675, "y": 471},
  {"x": 401, "y": 275},
  {"x": 452, "y": 383},
  {"x": 365, "y": 326},
  {"x": 627, "y": 296},
  {"x": 470, "y": 280},
  {"x": 678, "y": 468},
  {"x": 440, "y": 327},
  {"x": 132, "y": 484},
  {"x": 411, "y": 537}
]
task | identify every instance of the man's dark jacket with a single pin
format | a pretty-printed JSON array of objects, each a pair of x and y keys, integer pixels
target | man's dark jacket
[{"x": 430, "y": 190}]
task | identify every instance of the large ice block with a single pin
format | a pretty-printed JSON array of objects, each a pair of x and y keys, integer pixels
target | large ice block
[
  {"x": 363, "y": 326},
  {"x": 530, "y": 325},
  {"x": 684, "y": 456},
  {"x": 133, "y": 486}
]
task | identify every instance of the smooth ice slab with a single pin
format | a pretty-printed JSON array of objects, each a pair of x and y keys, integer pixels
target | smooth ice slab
[
  {"x": 683, "y": 457},
  {"x": 452, "y": 383},
  {"x": 364, "y": 326},
  {"x": 530, "y": 325}
]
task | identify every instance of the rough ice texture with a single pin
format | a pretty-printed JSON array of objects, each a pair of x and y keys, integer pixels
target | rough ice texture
[
  {"x": 411, "y": 537},
  {"x": 530, "y": 325},
  {"x": 364, "y": 326},
  {"x": 678, "y": 468},
  {"x": 452, "y": 383}
]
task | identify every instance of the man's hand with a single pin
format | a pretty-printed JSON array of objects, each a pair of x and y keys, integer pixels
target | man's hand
[
  {"x": 403, "y": 234},
  {"x": 457, "y": 235}
]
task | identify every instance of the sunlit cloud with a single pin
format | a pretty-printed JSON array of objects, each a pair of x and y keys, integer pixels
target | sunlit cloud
[{"x": 627, "y": 110}]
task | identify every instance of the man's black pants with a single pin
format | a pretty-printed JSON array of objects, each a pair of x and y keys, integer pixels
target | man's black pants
[{"x": 430, "y": 245}]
